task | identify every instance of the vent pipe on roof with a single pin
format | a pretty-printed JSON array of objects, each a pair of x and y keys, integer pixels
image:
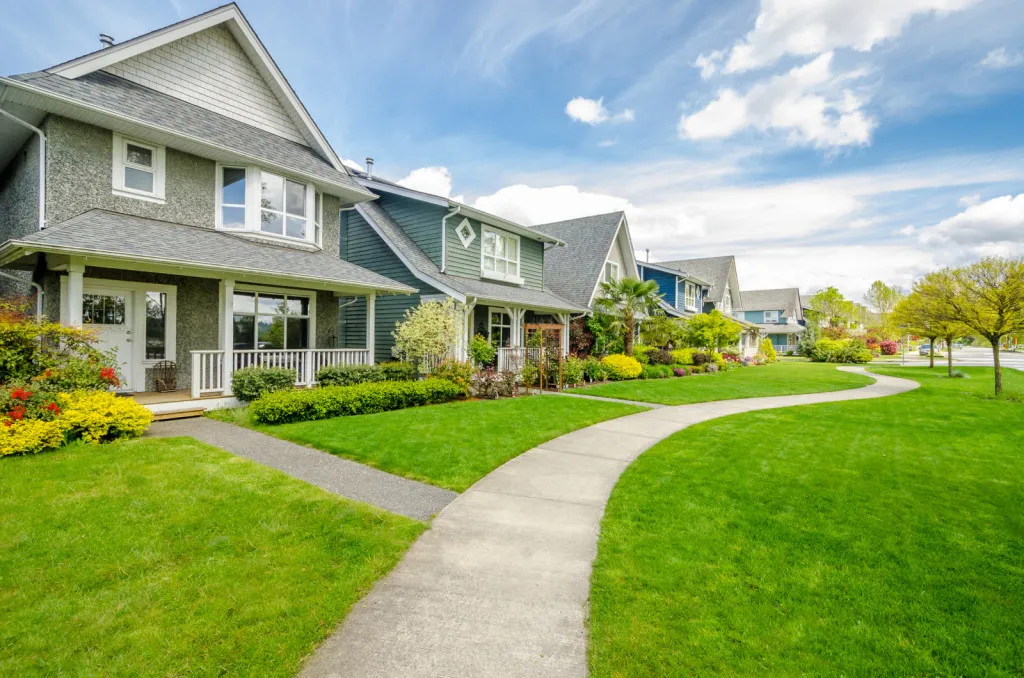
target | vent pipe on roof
[
  {"x": 369, "y": 168},
  {"x": 648, "y": 250},
  {"x": 106, "y": 40}
]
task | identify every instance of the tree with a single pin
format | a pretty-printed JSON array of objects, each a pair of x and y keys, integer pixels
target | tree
[
  {"x": 626, "y": 300},
  {"x": 883, "y": 299},
  {"x": 831, "y": 307},
  {"x": 662, "y": 331},
  {"x": 924, "y": 315},
  {"x": 986, "y": 296},
  {"x": 428, "y": 332},
  {"x": 712, "y": 330}
]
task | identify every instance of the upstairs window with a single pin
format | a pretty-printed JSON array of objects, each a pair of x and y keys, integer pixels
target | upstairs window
[
  {"x": 254, "y": 200},
  {"x": 500, "y": 256},
  {"x": 691, "y": 295},
  {"x": 771, "y": 316},
  {"x": 611, "y": 272},
  {"x": 727, "y": 301},
  {"x": 138, "y": 169},
  {"x": 232, "y": 198}
]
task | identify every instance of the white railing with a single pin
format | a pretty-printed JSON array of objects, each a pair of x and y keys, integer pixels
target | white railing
[
  {"x": 208, "y": 366},
  {"x": 782, "y": 348},
  {"x": 515, "y": 357},
  {"x": 207, "y": 372}
]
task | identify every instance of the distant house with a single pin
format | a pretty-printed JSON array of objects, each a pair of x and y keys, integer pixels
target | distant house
[
  {"x": 683, "y": 293},
  {"x": 779, "y": 314}
]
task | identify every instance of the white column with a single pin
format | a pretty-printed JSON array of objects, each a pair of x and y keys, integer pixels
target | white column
[
  {"x": 76, "y": 288},
  {"x": 371, "y": 324},
  {"x": 565, "y": 332},
  {"x": 227, "y": 332}
]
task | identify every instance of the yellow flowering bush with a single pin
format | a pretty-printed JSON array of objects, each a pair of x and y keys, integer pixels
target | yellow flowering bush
[
  {"x": 101, "y": 416},
  {"x": 621, "y": 366},
  {"x": 29, "y": 436}
]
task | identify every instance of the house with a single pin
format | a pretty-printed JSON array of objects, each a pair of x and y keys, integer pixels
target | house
[
  {"x": 779, "y": 314},
  {"x": 173, "y": 193},
  {"x": 683, "y": 294},
  {"x": 492, "y": 267}
]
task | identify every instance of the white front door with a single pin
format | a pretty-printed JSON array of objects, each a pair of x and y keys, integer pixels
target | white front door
[{"x": 108, "y": 311}]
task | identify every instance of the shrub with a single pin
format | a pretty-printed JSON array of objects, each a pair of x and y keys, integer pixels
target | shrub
[
  {"x": 701, "y": 358},
  {"x": 682, "y": 356},
  {"x": 30, "y": 436},
  {"x": 338, "y": 401},
  {"x": 481, "y": 351},
  {"x": 655, "y": 372},
  {"x": 249, "y": 383},
  {"x": 529, "y": 375},
  {"x": 959, "y": 374},
  {"x": 593, "y": 370},
  {"x": 768, "y": 349},
  {"x": 840, "y": 351},
  {"x": 682, "y": 371},
  {"x": 459, "y": 373},
  {"x": 348, "y": 375},
  {"x": 101, "y": 416},
  {"x": 889, "y": 347},
  {"x": 621, "y": 367},
  {"x": 398, "y": 371},
  {"x": 427, "y": 332},
  {"x": 486, "y": 383},
  {"x": 660, "y": 357},
  {"x": 698, "y": 369},
  {"x": 790, "y": 352},
  {"x": 572, "y": 370},
  {"x": 508, "y": 382},
  {"x": 641, "y": 354}
]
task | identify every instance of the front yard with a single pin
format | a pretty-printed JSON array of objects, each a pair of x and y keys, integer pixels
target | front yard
[
  {"x": 169, "y": 557},
  {"x": 451, "y": 445},
  {"x": 877, "y": 537},
  {"x": 784, "y": 378}
]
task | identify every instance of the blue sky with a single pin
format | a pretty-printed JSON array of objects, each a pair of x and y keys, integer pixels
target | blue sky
[{"x": 820, "y": 141}]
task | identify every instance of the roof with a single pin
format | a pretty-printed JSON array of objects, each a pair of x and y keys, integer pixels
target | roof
[
  {"x": 780, "y": 328},
  {"x": 424, "y": 268},
  {"x": 719, "y": 271},
  {"x": 574, "y": 270},
  {"x": 681, "y": 274},
  {"x": 119, "y": 236},
  {"x": 786, "y": 299},
  {"x": 156, "y": 111}
]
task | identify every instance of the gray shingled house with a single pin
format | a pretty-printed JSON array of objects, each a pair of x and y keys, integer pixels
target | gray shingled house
[
  {"x": 779, "y": 313},
  {"x": 173, "y": 193}
]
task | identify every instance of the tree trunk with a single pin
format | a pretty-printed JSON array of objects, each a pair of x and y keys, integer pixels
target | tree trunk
[
  {"x": 949, "y": 356},
  {"x": 995, "y": 362},
  {"x": 627, "y": 340},
  {"x": 931, "y": 353}
]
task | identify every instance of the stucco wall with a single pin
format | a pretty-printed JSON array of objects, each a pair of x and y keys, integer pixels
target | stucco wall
[{"x": 19, "y": 207}]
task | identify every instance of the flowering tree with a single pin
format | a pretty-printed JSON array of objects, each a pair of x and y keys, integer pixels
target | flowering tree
[{"x": 428, "y": 332}]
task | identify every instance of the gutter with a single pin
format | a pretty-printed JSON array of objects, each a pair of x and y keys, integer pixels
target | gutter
[
  {"x": 444, "y": 237},
  {"x": 42, "y": 160}
]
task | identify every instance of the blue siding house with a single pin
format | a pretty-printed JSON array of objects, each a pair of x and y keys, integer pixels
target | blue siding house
[
  {"x": 683, "y": 293},
  {"x": 778, "y": 313}
]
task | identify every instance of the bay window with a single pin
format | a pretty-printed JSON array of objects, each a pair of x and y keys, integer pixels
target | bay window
[
  {"x": 254, "y": 200},
  {"x": 500, "y": 256},
  {"x": 270, "y": 321}
]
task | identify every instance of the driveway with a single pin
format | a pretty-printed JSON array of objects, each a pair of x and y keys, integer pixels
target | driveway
[{"x": 966, "y": 357}]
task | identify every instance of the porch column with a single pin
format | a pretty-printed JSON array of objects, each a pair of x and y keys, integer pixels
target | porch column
[
  {"x": 371, "y": 324},
  {"x": 565, "y": 332},
  {"x": 227, "y": 325},
  {"x": 76, "y": 288}
]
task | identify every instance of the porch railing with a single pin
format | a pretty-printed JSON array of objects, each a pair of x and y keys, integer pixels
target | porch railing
[
  {"x": 515, "y": 357},
  {"x": 208, "y": 366}
]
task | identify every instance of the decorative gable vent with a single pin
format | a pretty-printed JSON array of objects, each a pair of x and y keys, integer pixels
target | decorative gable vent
[{"x": 466, "y": 233}]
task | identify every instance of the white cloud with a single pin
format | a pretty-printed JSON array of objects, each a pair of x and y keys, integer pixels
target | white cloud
[
  {"x": 808, "y": 103},
  {"x": 434, "y": 180},
  {"x": 593, "y": 112},
  {"x": 530, "y": 206},
  {"x": 970, "y": 200},
  {"x": 1002, "y": 58},
  {"x": 353, "y": 164},
  {"x": 992, "y": 227},
  {"x": 709, "y": 63},
  {"x": 811, "y": 27}
]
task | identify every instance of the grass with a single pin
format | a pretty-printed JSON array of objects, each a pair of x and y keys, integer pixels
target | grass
[
  {"x": 784, "y": 378},
  {"x": 170, "y": 557},
  {"x": 878, "y": 537},
  {"x": 451, "y": 445}
]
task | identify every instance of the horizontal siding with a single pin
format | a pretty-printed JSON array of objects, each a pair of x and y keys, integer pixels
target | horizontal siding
[
  {"x": 666, "y": 284},
  {"x": 421, "y": 221},
  {"x": 465, "y": 261}
]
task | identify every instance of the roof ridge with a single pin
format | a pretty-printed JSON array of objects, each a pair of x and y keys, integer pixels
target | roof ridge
[{"x": 588, "y": 216}]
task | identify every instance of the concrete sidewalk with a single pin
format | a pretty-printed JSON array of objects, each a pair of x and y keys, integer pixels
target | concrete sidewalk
[
  {"x": 334, "y": 474},
  {"x": 499, "y": 585}
]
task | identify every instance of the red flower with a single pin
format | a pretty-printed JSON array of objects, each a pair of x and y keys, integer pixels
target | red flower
[
  {"x": 109, "y": 375},
  {"x": 48, "y": 373},
  {"x": 17, "y": 413},
  {"x": 21, "y": 394},
  {"x": 54, "y": 407}
]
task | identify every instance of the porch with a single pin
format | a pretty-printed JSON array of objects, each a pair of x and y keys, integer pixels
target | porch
[{"x": 212, "y": 369}]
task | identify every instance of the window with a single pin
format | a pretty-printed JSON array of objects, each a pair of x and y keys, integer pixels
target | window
[
  {"x": 156, "y": 326},
  {"x": 691, "y": 295},
  {"x": 499, "y": 328},
  {"x": 466, "y": 233},
  {"x": 250, "y": 199},
  {"x": 500, "y": 256},
  {"x": 232, "y": 198},
  {"x": 282, "y": 206},
  {"x": 318, "y": 218},
  {"x": 270, "y": 321},
  {"x": 771, "y": 316},
  {"x": 102, "y": 309},
  {"x": 727, "y": 301},
  {"x": 138, "y": 169},
  {"x": 611, "y": 271}
]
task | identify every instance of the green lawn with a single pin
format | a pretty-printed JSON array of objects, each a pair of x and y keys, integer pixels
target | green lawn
[
  {"x": 169, "y": 557},
  {"x": 451, "y": 445},
  {"x": 879, "y": 537},
  {"x": 785, "y": 378}
]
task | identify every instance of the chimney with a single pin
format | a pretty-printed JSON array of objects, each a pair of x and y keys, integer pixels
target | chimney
[
  {"x": 369, "y": 168},
  {"x": 106, "y": 40},
  {"x": 648, "y": 250}
]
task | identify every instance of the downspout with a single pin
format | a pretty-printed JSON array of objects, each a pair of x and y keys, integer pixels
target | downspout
[
  {"x": 39, "y": 291},
  {"x": 42, "y": 163},
  {"x": 444, "y": 237}
]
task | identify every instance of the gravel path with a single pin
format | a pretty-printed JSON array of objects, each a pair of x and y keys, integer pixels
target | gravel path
[
  {"x": 334, "y": 474},
  {"x": 499, "y": 585}
]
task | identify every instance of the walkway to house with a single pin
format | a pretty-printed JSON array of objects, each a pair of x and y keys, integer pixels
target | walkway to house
[
  {"x": 334, "y": 474},
  {"x": 499, "y": 584}
]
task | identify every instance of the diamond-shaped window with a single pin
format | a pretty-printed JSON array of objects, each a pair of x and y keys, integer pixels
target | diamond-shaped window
[{"x": 466, "y": 233}]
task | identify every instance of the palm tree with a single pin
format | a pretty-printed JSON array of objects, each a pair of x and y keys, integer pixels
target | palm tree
[{"x": 625, "y": 300}]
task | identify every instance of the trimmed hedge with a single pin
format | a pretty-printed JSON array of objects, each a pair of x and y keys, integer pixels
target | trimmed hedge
[
  {"x": 349, "y": 375},
  {"x": 621, "y": 367},
  {"x": 338, "y": 401},
  {"x": 250, "y": 383}
]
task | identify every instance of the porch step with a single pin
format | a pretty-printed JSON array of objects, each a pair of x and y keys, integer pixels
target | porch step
[{"x": 181, "y": 414}]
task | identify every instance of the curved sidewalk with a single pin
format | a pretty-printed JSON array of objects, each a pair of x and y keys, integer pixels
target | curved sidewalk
[{"x": 499, "y": 584}]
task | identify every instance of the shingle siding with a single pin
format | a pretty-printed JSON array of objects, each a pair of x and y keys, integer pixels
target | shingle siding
[{"x": 209, "y": 69}]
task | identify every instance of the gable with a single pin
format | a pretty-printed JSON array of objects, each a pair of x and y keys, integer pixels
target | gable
[{"x": 209, "y": 69}]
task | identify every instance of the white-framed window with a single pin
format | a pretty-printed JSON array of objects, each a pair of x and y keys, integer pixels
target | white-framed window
[
  {"x": 466, "y": 233},
  {"x": 499, "y": 327},
  {"x": 271, "y": 320},
  {"x": 771, "y": 317},
  {"x": 257, "y": 201},
  {"x": 691, "y": 295},
  {"x": 499, "y": 256},
  {"x": 611, "y": 271},
  {"x": 727, "y": 301},
  {"x": 138, "y": 169}
]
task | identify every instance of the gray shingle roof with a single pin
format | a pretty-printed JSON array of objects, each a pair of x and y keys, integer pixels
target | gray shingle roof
[
  {"x": 573, "y": 271},
  {"x": 127, "y": 99},
  {"x": 787, "y": 300},
  {"x": 716, "y": 270},
  {"x": 470, "y": 287},
  {"x": 121, "y": 236}
]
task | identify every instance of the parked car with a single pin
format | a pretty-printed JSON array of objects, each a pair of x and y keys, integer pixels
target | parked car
[
  {"x": 925, "y": 349},
  {"x": 957, "y": 345}
]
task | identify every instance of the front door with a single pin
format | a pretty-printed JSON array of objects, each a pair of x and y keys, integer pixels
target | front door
[{"x": 109, "y": 313}]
